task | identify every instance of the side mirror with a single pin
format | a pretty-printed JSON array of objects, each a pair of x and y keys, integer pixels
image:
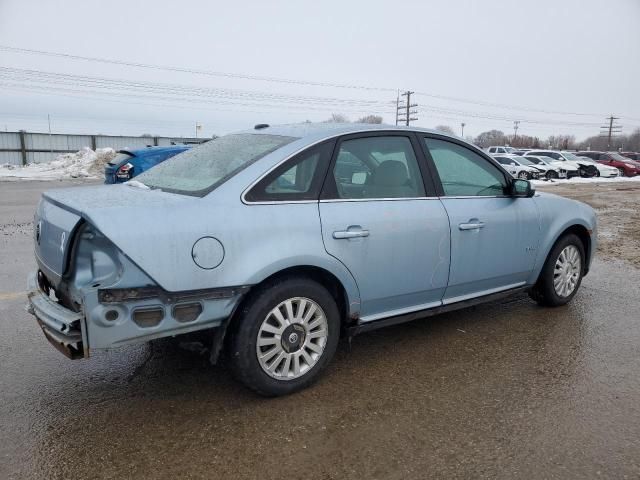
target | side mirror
[{"x": 522, "y": 188}]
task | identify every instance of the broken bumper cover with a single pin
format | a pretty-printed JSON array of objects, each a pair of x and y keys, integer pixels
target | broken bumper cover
[{"x": 61, "y": 326}]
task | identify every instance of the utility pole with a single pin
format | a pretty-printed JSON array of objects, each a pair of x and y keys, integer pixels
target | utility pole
[
  {"x": 516, "y": 124},
  {"x": 611, "y": 130},
  {"x": 397, "y": 106},
  {"x": 404, "y": 112},
  {"x": 50, "y": 144},
  {"x": 462, "y": 129},
  {"x": 198, "y": 127}
]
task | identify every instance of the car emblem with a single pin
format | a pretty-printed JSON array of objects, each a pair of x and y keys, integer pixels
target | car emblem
[
  {"x": 38, "y": 228},
  {"x": 63, "y": 237}
]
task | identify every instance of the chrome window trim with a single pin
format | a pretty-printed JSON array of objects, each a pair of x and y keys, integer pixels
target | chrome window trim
[
  {"x": 300, "y": 150},
  {"x": 393, "y": 199}
]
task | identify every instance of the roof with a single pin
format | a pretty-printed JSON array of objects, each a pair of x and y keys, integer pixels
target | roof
[{"x": 318, "y": 131}]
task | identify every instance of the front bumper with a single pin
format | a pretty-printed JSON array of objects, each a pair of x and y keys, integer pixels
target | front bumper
[{"x": 61, "y": 326}]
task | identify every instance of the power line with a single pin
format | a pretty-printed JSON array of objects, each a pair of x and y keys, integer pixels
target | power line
[{"x": 233, "y": 75}]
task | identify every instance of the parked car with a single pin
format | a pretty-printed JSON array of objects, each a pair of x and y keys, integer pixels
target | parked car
[
  {"x": 632, "y": 155},
  {"x": 129, "y": 163},
  {"x": 603, "y": 170},
  {"x": 625, "y": 166},
  {"x": 517, "y": 169},
  {"x": 584, "y": 168},
  {"x": 546, "y": 171},
  {"x": 498, "y": 150},
  {"x": 564, "y": 169},
  {"x": 254, "y": 238},
  {"x": 521, "y": 151}
]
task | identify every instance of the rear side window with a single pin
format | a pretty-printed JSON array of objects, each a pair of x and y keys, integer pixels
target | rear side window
[
  {"x": 463, "y": 172},
  {"x": 300, "y": 178},
  {"x": 376, "y": 168}
]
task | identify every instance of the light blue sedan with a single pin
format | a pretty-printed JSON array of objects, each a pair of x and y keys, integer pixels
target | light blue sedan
[{"x": 277, "y": 239}]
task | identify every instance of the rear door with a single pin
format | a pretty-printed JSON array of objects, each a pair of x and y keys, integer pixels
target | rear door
[
  {"x": 384, "y": 225},
  {"x": 494, "y": 237}
]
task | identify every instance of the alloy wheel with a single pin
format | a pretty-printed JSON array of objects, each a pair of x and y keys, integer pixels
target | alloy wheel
[
  {"x": 291, "y": 338},
  {"x": 566, "y": 272}
]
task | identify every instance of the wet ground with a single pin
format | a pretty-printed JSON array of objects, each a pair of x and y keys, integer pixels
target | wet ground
[{"x": 508, "y": 390}]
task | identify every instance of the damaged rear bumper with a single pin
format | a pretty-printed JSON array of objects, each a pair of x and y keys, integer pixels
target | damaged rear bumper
[{"x": 61, "y": 326}]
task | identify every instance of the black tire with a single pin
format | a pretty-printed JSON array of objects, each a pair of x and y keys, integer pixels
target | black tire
[
  {"x": 544, "y": 292},
  {"x": 552, "y": 175},
  {"x": 523, "y": 175},
  {"x": 244, "y": 336},
  {"x": 621, "y": 172}
]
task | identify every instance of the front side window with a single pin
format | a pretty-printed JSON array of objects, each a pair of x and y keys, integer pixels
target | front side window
[
  {"x": 463, "y": 172},
  {"x": 199, "y": 170},
  {"x": 377, "y": 167}
]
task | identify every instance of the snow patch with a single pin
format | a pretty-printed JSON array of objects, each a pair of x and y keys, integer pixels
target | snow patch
[
  {"x": 86, "y": 163},
  {"x": 593, "y": 180}
]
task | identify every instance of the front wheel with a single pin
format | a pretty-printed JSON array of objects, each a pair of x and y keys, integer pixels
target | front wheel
[
  {"x": 621, "y": 171},
  {"x": 552, "y": 175},
  {"x": 286, "y": 334},
  {"x": 561, "y": 274},
  {"x": 523, "y": 175}
]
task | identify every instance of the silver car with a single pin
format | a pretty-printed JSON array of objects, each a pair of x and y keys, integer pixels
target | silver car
[{"x": 277, "y": 240}]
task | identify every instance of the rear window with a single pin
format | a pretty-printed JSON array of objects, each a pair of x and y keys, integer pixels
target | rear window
[
  {"x": 201, "y": 169},
  {"x": 120, "y": 157}
]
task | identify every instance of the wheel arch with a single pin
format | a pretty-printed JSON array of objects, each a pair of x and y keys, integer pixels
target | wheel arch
[
  {"x": 348, "y": 302},
  {"x": 581, "y": 231}
]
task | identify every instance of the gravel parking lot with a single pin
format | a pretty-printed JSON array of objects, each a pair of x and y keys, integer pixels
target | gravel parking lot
[{"x": 504, "y": 390}]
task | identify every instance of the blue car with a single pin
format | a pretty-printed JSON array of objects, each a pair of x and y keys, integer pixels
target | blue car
[
  {"x": 129, "y": 163},
  {"x": 274, "y": 241}
]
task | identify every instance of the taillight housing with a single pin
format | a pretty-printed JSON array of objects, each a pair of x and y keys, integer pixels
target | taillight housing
[{"x": 125, "y": 171}]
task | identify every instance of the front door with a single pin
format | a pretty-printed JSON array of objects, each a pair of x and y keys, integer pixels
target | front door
[
  {"x": 494, "y": 237},
  {"x": 378, "y": 221}
]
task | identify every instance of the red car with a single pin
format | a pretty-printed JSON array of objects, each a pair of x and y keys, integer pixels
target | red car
[
  {"x": 632, "y": 155},
  {"x": 626, "y": 166}
]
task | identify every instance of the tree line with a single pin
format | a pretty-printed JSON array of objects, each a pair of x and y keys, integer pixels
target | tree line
[{"x": 628, "y": 143}]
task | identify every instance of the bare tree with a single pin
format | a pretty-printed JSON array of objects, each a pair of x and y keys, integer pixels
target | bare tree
[
  {"x": 337, "y": 118},
  {"x": 492, "y": 137},
  {"x": 370, "y": 119},
  {"x": 445, "y": 129}
]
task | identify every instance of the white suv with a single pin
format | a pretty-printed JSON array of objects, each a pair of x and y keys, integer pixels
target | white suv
[{"x": 499, "y": 150}]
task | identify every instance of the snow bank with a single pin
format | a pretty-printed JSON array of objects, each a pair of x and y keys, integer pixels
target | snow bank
[
  {"x": 83, "y": 164},
  {"x": 592, "y": 181}
]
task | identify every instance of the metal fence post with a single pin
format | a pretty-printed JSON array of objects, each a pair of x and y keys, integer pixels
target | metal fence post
[
  {"x": 155, "y": 141},
  {"x": 93, "y": 143},
  {"x": 23, "y": 147}
]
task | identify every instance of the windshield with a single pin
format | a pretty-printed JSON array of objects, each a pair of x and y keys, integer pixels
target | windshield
[
  {"x": 525, "y": 161},
  {"x": 201, "y": 169},
  {"x": 534, "y": 160},
  {"x": 570, "y": 156},
  {"x": 617, "y": 156}
]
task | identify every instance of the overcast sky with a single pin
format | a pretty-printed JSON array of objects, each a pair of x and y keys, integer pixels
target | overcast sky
[{"x": 578, "y": 59}]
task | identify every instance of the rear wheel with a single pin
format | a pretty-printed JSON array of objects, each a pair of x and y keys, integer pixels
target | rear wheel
[
  {"x": 523, "y": 175},
  {"x": 561, "y": 274},
  {"x": 285, "y": 336}
]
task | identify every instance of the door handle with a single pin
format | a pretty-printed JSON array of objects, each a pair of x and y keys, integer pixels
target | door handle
[
  {"x": 471, "y": 225},
  {"x": 350, "y": 234}
]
